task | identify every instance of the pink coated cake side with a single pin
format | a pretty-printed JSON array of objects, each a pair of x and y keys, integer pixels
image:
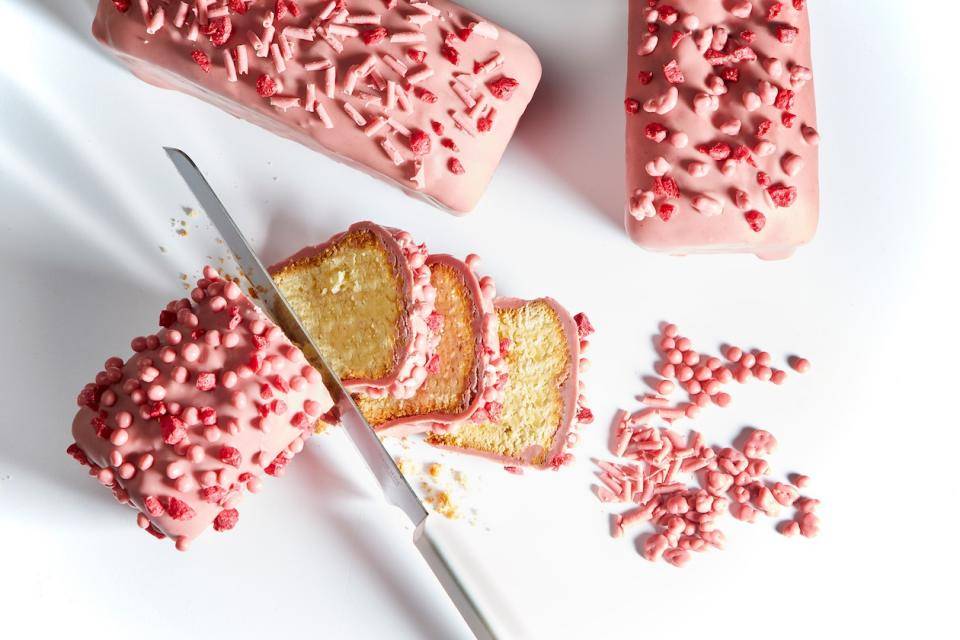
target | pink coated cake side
[
  {"x": 721, "y": 128},
  {"x": 486, "y": 351},
  {"x": 417, "y": 339},
  {"x": 206, "y": 406},
  {"x": 424, "y": 95}
]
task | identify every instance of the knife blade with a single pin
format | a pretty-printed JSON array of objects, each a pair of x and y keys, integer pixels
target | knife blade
[{"x": 377, "y": 458}]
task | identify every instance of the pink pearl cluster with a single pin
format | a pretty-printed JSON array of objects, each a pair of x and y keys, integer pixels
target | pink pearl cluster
[
  {"x": 683, "y": 486},
  {"x": 703, "y": 377},
  {"x": 215, "y": 397}
]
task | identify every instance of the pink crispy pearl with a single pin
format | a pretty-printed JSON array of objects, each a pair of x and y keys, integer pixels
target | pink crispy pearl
[
  {"x": 156, "y": 392},
  {"x": 298, "y": 383},
  {"x": 232, "y": 291},
  {"x": 119, "y": 437},
  {"x": 254, "y": 485},
  {"x": 742, "y": 374},
  {"x": 778, "y": 376},
  {"x": 238, "y": 399},
  {"x": 764, "y": 358},
  {"x": 311, "y": 374},
  {"x": 145, "y": 461},
  {"x": 228, "y": 379},
  {"x": 184, "y": 484},
  {"x": 762, "y": 373},
  {"x": 674, "y": 356},
  {"x": 670, "y": 330},
  {"x": 195, "y": 453},
  {"x": 722, "y": 399},
  {"x": 665, "y": 387},
  {"x": 312, "y": 407},
  {"x": 274, "y": 333},
  {"x": 668, "y": 343},
  {"x": 693, "y": 387},
  {"x": 230, "y": 340},
  {"x": 123, "y": 419},
  {"x": 702, "y": 373},
  {"x": 712, "y": 387},
  {"x": 296, "y": 446},
  {"x": 190, "y": 415},
  {"x": 684, "y": 373},
  {"x": 116, "y": 458},
  {"x": 190, "y": 352},
  {"x": 683, "y": 344},
  {"x": 748, "y": 360},
  {"x": 724, "y": 375},
  {"x": 668, "y": 370},
  {"x": 218, "y": 303},
  {"x": 172, "y": 337},
  {"x": 127, "y": 471},
  {"x": 139, "y": 344},
  {"x": 167, "y": 355},
  {"x": 800, "y": 365},
  {"x": 153, "y": 342},
  {"x": 691, "y": 358},
  {"x": 174, "y": 470},
  {"x": 211, "y": 433},
  {"x": 182, "y": 543},
  {"x": 257, "y": 326},
  {"x": 142, "y": 521},
  {"x": 208, "y": 478},
  {"x": 691, "y": 411}
]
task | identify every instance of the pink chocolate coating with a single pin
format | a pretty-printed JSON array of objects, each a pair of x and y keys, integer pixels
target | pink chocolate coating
[
  {"x": 417, "y": 342},
  {"x": 474, "y": 136},
  {"x": 713, "y": 91},
  {"x": 207, "y": 405}
]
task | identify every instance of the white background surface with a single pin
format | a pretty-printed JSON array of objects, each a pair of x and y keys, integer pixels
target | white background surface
[{"x": 87, "y": 197}]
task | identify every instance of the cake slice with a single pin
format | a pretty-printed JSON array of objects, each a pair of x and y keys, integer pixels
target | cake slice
[
  {"x": 463, "y": 374},
  {"x": 366, "y": 299},
  {"x": 721, "y": 128},
  {"x": 208, "y": 404},
  {"x": 423, "y": 95},
  {"x": 541, "y": 345}
]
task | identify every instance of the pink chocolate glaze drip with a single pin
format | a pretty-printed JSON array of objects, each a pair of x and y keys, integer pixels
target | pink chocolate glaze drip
[
  {"x": 418, "y": 338},
  {"x": 408, "y": 100},
  {"x": 213, "y": 400},
  {"x": 721, "y": 128}
]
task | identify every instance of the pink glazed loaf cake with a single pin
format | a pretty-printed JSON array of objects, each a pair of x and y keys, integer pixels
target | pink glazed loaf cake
[
  {"x": 721, "y": 127},
  {"x": 425, "y": 95},
  {"x": 215, "y": 399}
]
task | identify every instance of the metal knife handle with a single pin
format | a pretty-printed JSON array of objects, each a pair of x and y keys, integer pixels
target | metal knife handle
[{"x": 431, "y": 547}]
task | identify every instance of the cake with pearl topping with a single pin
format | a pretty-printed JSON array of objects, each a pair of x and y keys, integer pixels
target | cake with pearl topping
[{"x": 213, "y": 401}]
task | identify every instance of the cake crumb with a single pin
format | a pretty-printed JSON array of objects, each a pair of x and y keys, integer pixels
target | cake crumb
[
  {"x": 434, "y": 469},
  {"x": 443, "y": 504},
  {"x": 406, "y": 466}
]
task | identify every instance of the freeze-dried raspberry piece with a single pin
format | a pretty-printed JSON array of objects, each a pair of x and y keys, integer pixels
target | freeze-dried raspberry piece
[
  {"x": 584, "y": 328},
  {"x": 122, "y": 5},
  {"x": 741, "y": 153},
  {"x": 226, "y": 520},
  {"x": 153, "y": 506},
  {"x": 484, "y": 124},
  {"x": 787, "y": 35},
  {"x": 293, "y": 7},
  {"x": 208, "y": 416},
  {"x": 176, "y": 508},
  {"x": 756, "y": 220},
  {"x": 275, "y": 468},
  {"x": 172, "y": 429},
  {"x": 748, "y": 36},
  {"x": 584, "y": 415},
  {"x": 718, "y": 151},
  {"x": 256, "y": 361},
  {"x": 455, "y": 167},
  {"x": 785, "y": 99},
  {"x": 235, "y": 318},
  {"x": 437, "y": 127},
  {"x": 219, "y": 30},
  {"x": 425, "y": 94},
  {"x": 99, "y": 425},
  {"x": 75, "y": 452},
  {"x": 672, "y": 72},
  {"x": 464, "y": 33},
  {"x": 776, "y": 9},
  {"x": 417, "y": 55},
  {"x": 301, "y": 421},
  {"x": 717, "y": 58},
  {"x": 201, "y": 59},
  {"x": 743, "y": 53},
  {"x": 167, "y": 318},
  {"x": 229, "y": 455},
  {"x": 763, "y": 179},
  {"x": 656, "y": 132},
  {"x": 494, "y": 411},
  {"x": 266, "y": 87},
  {"x": 156, "y": 409},
  {"x": 799, "y": 5},
  {"x": 782, "y": 195},
  {"x": 666, "y": 187},
  {"x": 206, "y": 381},
  {"x": 730, "y": 74},
  {"x": 788, "y": 119},
  {"x": 450, "y": 54},
  {"x": 239, "y": 6},
  {"x": 676, "y": 38},
  {"x": 212, "y": 494},
  {"x": 645, "y": 77},
  {"x": 374, "y": 36},
  {"x": 667, "y": 13},
  {"x": 631, "y": 106},
  {"x": 503, "y": 87},
  {"x": 259, "y": 342},
  {"x": 266, "y": 391},
  {"x": 280, "y": 9},
  {"x": 433, "y": 365},
  {"x": 665, "y": 211},
  {"x": 278, "y": 406},
  {"x": 263, "y": 409},
  {"x": 279, "y": 383},
  {"x": 763, "y": 128},
  {"x": 450, "y": 144},
  {"x": 419, "y": 142}
]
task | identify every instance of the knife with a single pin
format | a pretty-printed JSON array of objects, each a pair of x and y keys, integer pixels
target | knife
[{"x": 381, "y": 464}]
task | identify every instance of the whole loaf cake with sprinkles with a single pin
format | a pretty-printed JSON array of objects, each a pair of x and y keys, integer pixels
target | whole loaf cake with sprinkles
[
  {"x": 214, "y": 400},
  {"x": 425, "y": 95},
  {"x": 721, "y": 127}
]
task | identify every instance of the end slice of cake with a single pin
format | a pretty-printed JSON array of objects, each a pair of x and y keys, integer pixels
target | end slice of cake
[
  {"x": 206, "y": 406},
  {"x": 541, "y": 345},
  {"x": 366, "y": 299},
  {"x": 462, "y": 374}
]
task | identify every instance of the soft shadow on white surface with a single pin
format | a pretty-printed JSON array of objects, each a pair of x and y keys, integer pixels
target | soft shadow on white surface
[{"x": 74, "y": 16}]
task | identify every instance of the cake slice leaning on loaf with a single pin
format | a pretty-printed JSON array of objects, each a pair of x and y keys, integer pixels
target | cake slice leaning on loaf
[
  {"x": 366, "y": 299},
  {"x": 423, "y": 95},
  {"x": 542, "y": 403},
  {"x": 721, "y": 128},
  {"x": 464, "y": 375}
]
